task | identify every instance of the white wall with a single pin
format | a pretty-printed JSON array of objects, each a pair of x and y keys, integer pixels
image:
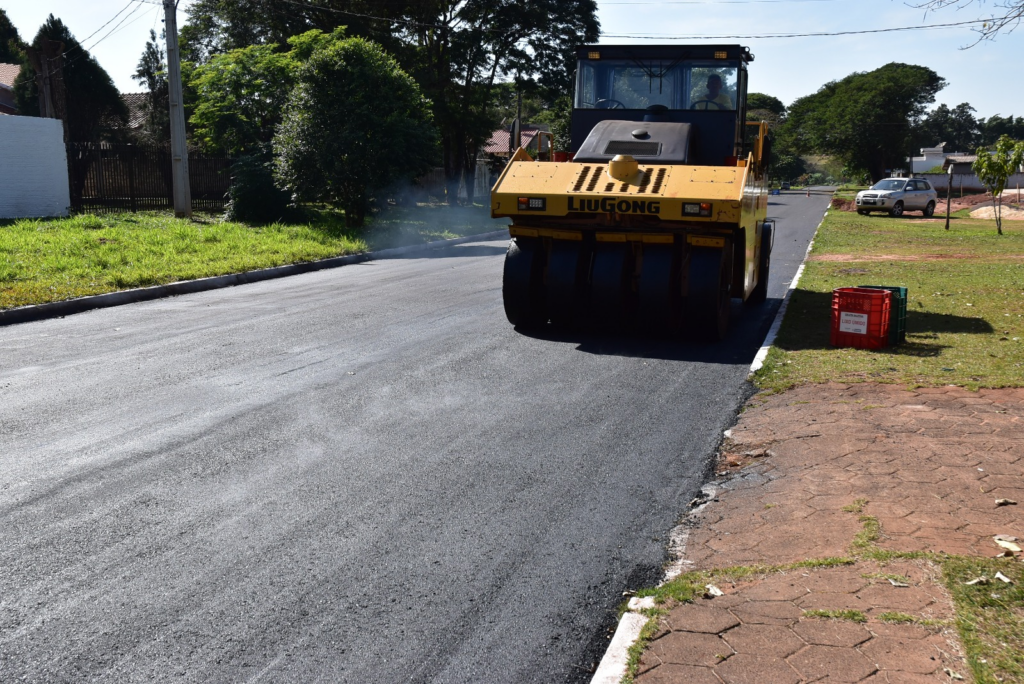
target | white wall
[
  {"x": 970, "y": 182},
  {"x": 33, "y": 168}
]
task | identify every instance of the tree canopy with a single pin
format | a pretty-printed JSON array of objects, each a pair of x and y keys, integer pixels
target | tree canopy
[
  {"x": 865, "y": 119},
  {"x": 760, "y": 101},
  {"x": 355, "y": 123},
  {"x": 956, "y": 127},
  {"x": 94, "y": 105},
  {"x": 12, "y": 47},
  {"x": 456, "y": 50},
  {"x": 240, "y": 94}
]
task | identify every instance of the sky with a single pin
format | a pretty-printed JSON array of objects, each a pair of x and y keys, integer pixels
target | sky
[{"x": 788, "y": 68}]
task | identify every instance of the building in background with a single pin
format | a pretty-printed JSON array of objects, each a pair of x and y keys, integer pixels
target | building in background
[{"x": 8, "y": 72}]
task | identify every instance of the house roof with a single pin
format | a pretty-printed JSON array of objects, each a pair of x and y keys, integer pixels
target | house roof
[
  {"x": 9, "y": 72},
  {"x": 498, "y": 144},
  {"x": 959, "y": 159},
  {"x": 137, "y": 103}
]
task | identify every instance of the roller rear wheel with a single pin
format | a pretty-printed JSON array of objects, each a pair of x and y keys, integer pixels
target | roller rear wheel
[
  {"x": 565, "y": 278},
  {"x": 521, "y": 283},
  {"x": 609, "y": 284},
  {"x": 657, "y": 278},
  {"x": 706, "y": 312}
]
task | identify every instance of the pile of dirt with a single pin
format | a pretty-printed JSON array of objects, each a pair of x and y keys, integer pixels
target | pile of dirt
[
  {"x": 843, "y": 204},
  {"x": 1011, "y": 212},
  {"x": 967, "y": 201}
]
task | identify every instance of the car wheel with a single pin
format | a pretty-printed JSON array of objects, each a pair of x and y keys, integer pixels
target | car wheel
[
  {"x": 897, "y": 210},
  {"x": 930, "y": 209},
  {"x": 862, "y": 212}
]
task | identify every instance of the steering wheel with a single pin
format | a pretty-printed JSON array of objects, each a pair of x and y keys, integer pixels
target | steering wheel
[
  {"x": 705, "y": 103},
  {"x": 609, "y": 104}
]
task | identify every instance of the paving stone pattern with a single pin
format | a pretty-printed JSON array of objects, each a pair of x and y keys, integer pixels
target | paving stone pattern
[{"x": 928, "y": 464}]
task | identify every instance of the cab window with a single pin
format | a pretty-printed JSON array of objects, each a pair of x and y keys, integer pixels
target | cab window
[{"x": 638, "y": 84}]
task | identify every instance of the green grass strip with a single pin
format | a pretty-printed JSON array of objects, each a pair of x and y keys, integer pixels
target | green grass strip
[
  {"x": 965, "y": 318},
  {"x": 56, "y": 259}
]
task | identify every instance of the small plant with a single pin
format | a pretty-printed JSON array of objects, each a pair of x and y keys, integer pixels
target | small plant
[
  {"x": 869, "y": 533},
  {"x": 995, "y": 169},
  {"x": 849, "y": 615},
  {"x": 856, "y": 507}
]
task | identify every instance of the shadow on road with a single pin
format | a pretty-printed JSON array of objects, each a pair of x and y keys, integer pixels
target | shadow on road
[
  {"x": 468, "y": 250},
  {"x": 745, "y": 335}
]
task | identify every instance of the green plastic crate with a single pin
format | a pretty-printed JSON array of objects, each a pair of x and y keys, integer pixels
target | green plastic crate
[{"x": 898, "y": 313}]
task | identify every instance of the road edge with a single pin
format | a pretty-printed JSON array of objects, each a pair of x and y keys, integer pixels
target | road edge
[
  {"x": 612, "y": 667},
  {"x": 39, "y": 312}
]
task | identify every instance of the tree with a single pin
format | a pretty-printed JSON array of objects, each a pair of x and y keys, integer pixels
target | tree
[
  {"x": 1007, "y": 16},
  {"x": 457, "y": 50},
  {"x": 355, "y": 124},
  {"x": 12, "y": 47},
  {"x": 865, "y": 119},
  {"x": 94, "y": 106},
  {"x": 240, "y": 94},
  {"x": 957, "y": 128},
  {"x": 151, "y": 72},
  {"x": 995, "y": 169},
  {"x": 997, "y": 126},
  {"x": 760, "y": 101},
  {"x": 787, "y": 167}
]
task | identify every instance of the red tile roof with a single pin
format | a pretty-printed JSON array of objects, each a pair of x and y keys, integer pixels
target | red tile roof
[
  {"x": 498, "y": 144},
  {"x": 8, "y": 72}
]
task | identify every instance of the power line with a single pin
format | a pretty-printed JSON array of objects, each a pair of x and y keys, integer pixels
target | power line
[
  {"x": 714, "y": 2},
  {"x": 86, "y": 39},
  {"x": 119, "y": 24},
  {"x": 667, "y": 36}
]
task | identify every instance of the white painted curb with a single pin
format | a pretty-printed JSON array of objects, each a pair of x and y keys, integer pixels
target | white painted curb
[{"x": 613, "y": 664}]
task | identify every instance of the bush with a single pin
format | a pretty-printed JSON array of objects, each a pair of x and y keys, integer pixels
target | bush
[
  {"x": 253, "y": 197},
  {"x": 355, "y": 125}
]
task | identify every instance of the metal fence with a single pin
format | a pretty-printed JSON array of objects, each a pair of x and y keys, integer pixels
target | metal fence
[{"x": 115, "y": 178}]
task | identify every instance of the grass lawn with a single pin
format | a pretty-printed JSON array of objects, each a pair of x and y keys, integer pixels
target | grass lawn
[
  {"x": 56, "y": 259},
  {"x": 965, "y": 314}
]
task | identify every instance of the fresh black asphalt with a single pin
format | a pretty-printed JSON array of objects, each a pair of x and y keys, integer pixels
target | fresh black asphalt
[{"x": 355, "y": 475}]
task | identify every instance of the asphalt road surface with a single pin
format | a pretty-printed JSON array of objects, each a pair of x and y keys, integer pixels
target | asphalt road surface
[{"x": 355, "y": 475}]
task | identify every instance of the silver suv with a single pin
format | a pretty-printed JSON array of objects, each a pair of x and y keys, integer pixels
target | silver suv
[{"x": 897, "y": 195}]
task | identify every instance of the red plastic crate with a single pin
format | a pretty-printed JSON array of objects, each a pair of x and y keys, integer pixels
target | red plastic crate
[{"x": 860, "y": 318}]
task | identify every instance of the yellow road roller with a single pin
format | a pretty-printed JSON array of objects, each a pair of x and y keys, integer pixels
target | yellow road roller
[{"x": 659, "y": 218}]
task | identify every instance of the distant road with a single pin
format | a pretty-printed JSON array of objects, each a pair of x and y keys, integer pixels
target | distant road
[{"x": 357, "y": 475}]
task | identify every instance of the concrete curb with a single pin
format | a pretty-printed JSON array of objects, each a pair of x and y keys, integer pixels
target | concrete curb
[
  {"x": 612, "y": 667},
  {"x": 25, "y": 314}
]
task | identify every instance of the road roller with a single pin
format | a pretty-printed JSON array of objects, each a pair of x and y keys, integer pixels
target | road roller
[{"x": 658, "y": 219}]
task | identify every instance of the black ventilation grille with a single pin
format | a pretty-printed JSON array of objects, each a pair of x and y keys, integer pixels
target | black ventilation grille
[{"x": 633, "y": 148}]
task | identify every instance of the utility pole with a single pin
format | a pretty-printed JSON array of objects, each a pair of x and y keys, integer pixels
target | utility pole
[
  {"x": 179, "y": 146},
  {"x": 48, "y": 64}
]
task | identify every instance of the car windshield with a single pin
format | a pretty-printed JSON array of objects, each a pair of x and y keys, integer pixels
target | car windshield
[
  {"x": 889, "y": 185},
  {"x": 638, "y": 84}
]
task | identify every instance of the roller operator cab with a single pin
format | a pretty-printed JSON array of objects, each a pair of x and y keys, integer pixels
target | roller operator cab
[{"x": 659, "y": 220}]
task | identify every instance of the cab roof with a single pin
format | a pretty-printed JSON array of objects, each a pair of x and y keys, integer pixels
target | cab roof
[{"x": 674, "y": 52}]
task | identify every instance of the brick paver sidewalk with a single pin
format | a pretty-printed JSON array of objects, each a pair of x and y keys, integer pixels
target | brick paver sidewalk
[{"x": 829, "y": 471}]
